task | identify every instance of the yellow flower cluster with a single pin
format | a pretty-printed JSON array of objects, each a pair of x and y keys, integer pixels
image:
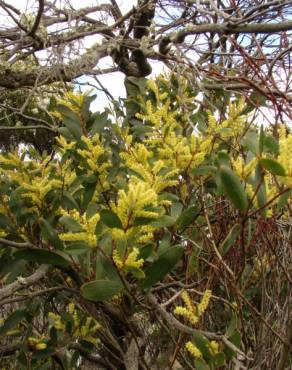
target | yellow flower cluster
[
  {"x": 130, "y": 261},
  {"x": 233, "y": 126},
  {"x": 56, "y": 321},
  {"x": 92, "y": 154},
  {"x": 194, "y": 350},
  {"x": 38, "y": 343},
  {"x": 244, "y": 170},
  {"x": 88, "y": 224},
  {"x": 191, "y": 312},
  {"x": 285, "y": 156},
  {"x": 72, "y": 100},
  {"x": 214, "y": 346},
  {"x": 85, "y": 331},
  {"x": 133, "y": 203},
  {"x": 156, "y": 174},
  {"x": 39, "y": 187},
  {"x": 202, "y": 306}
]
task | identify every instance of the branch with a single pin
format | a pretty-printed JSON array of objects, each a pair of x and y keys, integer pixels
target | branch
[
  {"x": 7, "y": 290},
  {"x": 17, "y": 245},
  {"x": 8, "y": 128},
  {"x": 37, "y": 19}
]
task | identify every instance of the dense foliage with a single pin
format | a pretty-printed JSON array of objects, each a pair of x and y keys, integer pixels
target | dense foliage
[{"x": 155, "y": 236}]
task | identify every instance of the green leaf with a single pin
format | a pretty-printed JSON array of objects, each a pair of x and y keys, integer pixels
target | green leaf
[
  {"x": 176, "y": 209},
  {"x": 233, "y": 188},
  {"x": 284, "y": 199},
  {"x": 232, "y": 327},
  {"x": 230, "y": 239},
  {"x": 77, "y": 248},
  {"x": 105, "y": 270},
  {"x": 204, "y": 170},
  {"x": 261, "y": 140},
  {"x": 187, "y": 217},
  {"x": 74, "y": 128},
  {"x": 69, "y": 201},
  {"x": 146, "y": 251},
  {"x": 12, "y": 321},
  {"x": 222, "y": 159},
  {"x": 71, "y": 121},
  {"x": 162, "y": 266},
  {"x": 219, "y": 360},
  {"x": 260, "y": 187},
  {"x": 110, "y": 219},
  {"x": 50, "y": 234},
  {"x": 201, "y": 364},
  {"x": 66, "y": 133},
  {"x": 271, "y": 144},
  {"x": 70, "y": 224},
  {"x": 163, "y": 221},
  {"x": 273, "y": 166},
  {"x": 42, "y": 256},
  {"x": 203, "y": 345},
  {"x": 89, "y": 190},
  {"x": 136, "y": 272},
  {"x": 100, "y": 122},
  {"x": 100, "y": 290},
  {"x": 251, "y": 142},
  {"x": 139, "y": 221},
  {"x": 235, "y": 338}
]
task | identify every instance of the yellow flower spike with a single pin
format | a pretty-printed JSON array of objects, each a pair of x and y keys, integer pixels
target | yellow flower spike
[
  {"x": 32, "y": 341},
  {"x": 202, "y": 306},
  {"x": 186, "y": 299},
  {"x": 188, "y": 314},
  {"x": 117, "y": 260},
  {"x": 194, "y": 350},
  {"x": 285, "y": 156},
  {"x": 88, "y": 226},
  {"x": 214, "y": 347},
  {"x": 71, "y": 308},
  {"x": 41, "y": 346},
  {"x": 132, "y": 261}
]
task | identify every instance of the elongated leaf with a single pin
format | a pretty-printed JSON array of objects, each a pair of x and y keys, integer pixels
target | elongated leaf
[
  {"x": 273, "y": 166},
  {"x": 230, "y": 239},
  {"x": 12, "y": 321},
  {"x": 105, "y": 270},
  {"x": 203, "y": 345},
  {"x": 284, "y": 199},
  {"x": 100, "y": 290},
  {"x": 74, "y": 128},
  {"x": 271, "y": 144},
  {"x": 163, "y": 221},
  {"x": 42, "y": 256},
  {"x": 187, "y": 217},
  {"x": 201, "y": 364},
  {"x": 233, "y": 188},
  {"x": 69, "y": 201},
  {"x": 251, "y": 142},
  {"x": 88, "y": 193},
  {"x": 261, "y": 191},
  {"x": 100, "y": 122},
  {"x": 219, "y": 360},
  {"x": 50, "y": 234},
  {"x": 163, "y": 265},
  {"x": 110, "y": 219},
  {"x": 70, "y": 223}
]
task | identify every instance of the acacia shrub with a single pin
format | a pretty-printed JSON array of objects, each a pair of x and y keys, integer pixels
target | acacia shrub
[{"x": 157, "y": 238}]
